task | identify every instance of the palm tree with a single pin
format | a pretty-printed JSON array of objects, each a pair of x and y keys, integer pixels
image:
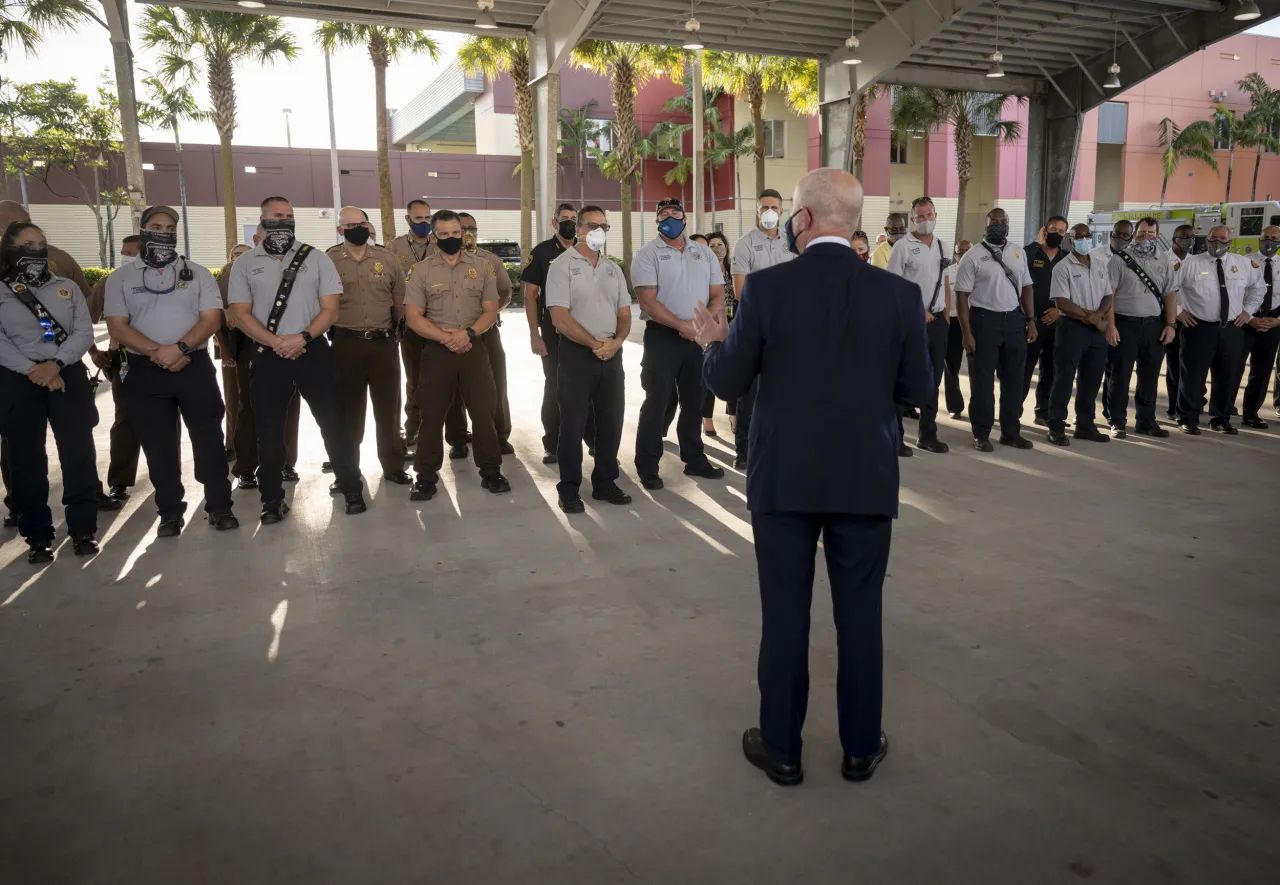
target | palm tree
[
  {"x": 577, "y": 131},
  {"x": 711, "y": 125},
  {"x": 165, "y": 108},
  {"x": 1232, "y": 131},
  {"x": 1263, "y": 117},
  {"x": 741, "y": 144},
  {"x": 800, "y": 83},
  {"x": 492, "y": 56},
  {"x": 919, "y": 109},
  {"x": 385, "y": 46},
  {"x": 195, "y": 41},
  {"x": 748, "y": 77},
  {"x": 24, "y": 22},
  {"x": 628, "y": 65},
  {"x": 1192, "y": 142},
  {"x": 867, "y": 98}
]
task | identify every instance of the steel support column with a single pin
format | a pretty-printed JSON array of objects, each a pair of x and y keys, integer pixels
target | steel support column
[
  {"x": 1053, "y": 146},
  {"x": 699, "y": 144}
]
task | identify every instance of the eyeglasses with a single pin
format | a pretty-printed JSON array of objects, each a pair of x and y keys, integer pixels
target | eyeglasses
[
  {"x": 1125, "y": 237},
  {"x": 594, "y": 225},
  {"x": 46, "y": 325},
  {"x": 895, "y": 231}
]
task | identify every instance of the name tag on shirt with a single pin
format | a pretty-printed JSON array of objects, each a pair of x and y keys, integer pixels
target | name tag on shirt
[
  {"x": 1039, "y": 262},
  {"x": 915, "y": 250},
  {"x": 257, "y": 270},
  {"x": 138, "y": 290},
  {"x": 575, "y": 271},
  {"x": 664, "y": 257},
  {"x": 758, "y": 247}
]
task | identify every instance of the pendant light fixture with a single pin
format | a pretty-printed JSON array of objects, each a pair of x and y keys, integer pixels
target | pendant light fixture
[
  {"x": 995, "y": 71},
  {"x": 852, "y": 43},
  {"x": 485, "y": 19},
  {"x": 1113, "y": 82},
  {"x": 692, "y": 31},
  {"x": 1248, "y": 11}
]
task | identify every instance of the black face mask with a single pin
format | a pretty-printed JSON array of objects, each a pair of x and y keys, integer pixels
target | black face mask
[
  {"x": 449, "y": 245},
  {"x": 567, "y": 229},
  {"x": 356, "y": 236},
  {"x": 27, "y": 264},
  {"x": 1053, "y": 239},
  {"x": 997, "y": 233},
  {"x": 279, "y": 235},
  {"x": 158, "y": 248}
]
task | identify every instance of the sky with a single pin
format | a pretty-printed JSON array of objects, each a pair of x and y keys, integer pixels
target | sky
[{"x": 263, "y": 93}]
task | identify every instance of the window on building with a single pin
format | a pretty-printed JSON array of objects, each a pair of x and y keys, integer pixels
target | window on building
[
  {"x": 602, "y": 138},
  {"x": 775, "y": 139},
  {"x": 1251, "y": 221},
  {"x": 897, "y": 150},
  {"x": 668, "y": 143}
]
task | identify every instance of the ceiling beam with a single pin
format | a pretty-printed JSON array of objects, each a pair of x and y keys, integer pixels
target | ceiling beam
[
  {"x": 973, "y": 81},
  {"x": 558, "y": 29}
]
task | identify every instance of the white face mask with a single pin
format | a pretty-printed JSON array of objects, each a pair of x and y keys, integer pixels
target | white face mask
[
  {"x": 769, "y": 219},
  {"x": 595, "y": 239},
  {"x": 924, "y": 228}
]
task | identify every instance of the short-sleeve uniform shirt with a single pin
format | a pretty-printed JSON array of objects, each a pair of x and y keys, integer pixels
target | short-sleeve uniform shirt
[
  {"x": 540, "y": 258},
  {"x": 452, "y": 297},
  {"x": 921, "y": 264},
  {"x": 255, "y": 279},
  {"x": 1081, "y": 284},
  {"x": 499, "y": 273},
  {"x": 756, "y": 250},
  {"x": 1198, "y": 286},
  {"x": 1133, "y": 297},
  {"x": 369, "y": 287},
  {"x": 682, "y": 278},
  {"x": 988, "y": 286},
  {"x": 949, "y": 275},
  {"x": 22, "y": 339},
  {"x": 409, "y": 252},
  {"x": 137, "y": 292},
  {"x": 594, "y": 295}
]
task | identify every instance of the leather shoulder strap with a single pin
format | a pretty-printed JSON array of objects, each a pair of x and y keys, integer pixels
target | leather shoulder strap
[
  {"x": 287, "y": 280},
  {"x": 1138, "y": 270},
  {"x": 42, "y": 315}
]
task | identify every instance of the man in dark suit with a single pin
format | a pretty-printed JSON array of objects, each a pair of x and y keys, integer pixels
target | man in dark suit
[{"x": 839, "y": 346}]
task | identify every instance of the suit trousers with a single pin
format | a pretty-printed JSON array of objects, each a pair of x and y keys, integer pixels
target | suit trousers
[
  {"x": 1172, "y": 370},
  {"x": 1040, "y": 353},
  {"x": 1139, "y": 346},
  {"x": 670, "y": 363},
  {"x": 313, "y": 375},
  {"x": 1261, "y": 349},
  {"x": 746, "y": 406},
  {"x": 122, "y": 469},
  {"x": 1208, "y": 347},
  {"x": 411, "y": 355},
  {"x": 369, "y": 369},
  {"x": 1001, "y": 352},
  {"x": 588, "y": 384},
  {"x": 1080, "y": 354},
  {"x": 550, "y": 394},
  {"x": 455, "y": 423},
  {"x": 246, "y": 436},
  {"x": 857, "y": 553},
  {"x": 446, "y": 374},
  {"x": 955, "y": 356},
  {"x": 27, "y": 412},
  {"x": 154, "y": 399}
]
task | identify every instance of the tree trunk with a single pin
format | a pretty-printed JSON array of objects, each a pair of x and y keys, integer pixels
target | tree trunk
[
  {"x": 711, "y": 177},
  {"x": 582, "y": 177},
  {"x": 964, "y": 172},
  {"x": 1231, "y": 167},
  {"x": 96, "y": 207},
  {"x": 526, "y": 202},
  {"x": 859, "y": 135},
  {"x": 757, "y": 124},
  {"x": 182, "y": 191},
  {"x": 228, "y": 191},
  {"x": 1257, "y": 161},
  {"x": 1164, "y": 186},
  {"x": 624, "y": 198},
  {"x": 523, "y": 99},
  {"x": 737, "y": 172},
  {"x": 222, "y": 92},
  {"x": 388, "y": 231}
]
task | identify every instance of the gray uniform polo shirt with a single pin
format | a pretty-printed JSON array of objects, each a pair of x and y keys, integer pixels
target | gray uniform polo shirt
[
  {"x": 594, "y": 295},
  {"x": 1081, "y": 285},
  {"x": 989, "y": 288},
  {"x": 913, "y": 260},
  {"x": 22, "y": 343},
  {"x": 255, "y": 279},
  {"x": 681, "y": 278},
  {"x": 1197, "y": 283},
  {"x": 162, "y": 318},
  {"x": 1133, "y": 297},
  {"x": 756, "y": 250}
]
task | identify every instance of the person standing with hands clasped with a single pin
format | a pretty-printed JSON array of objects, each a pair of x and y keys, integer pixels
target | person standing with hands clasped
[
  {"x": 163, "y": 309},
  {"x": 671, "y": 275},
  {"x": 285, "y": 295},
  {"x": 45, "y": 331},
  {"x": 1262, "y": 333},
  {"x": 997, "y": 314},
  {"x": 591, "y": 308},
  {"x": 1042, "y": 257},
  {"x": 1082, "y": 293}
]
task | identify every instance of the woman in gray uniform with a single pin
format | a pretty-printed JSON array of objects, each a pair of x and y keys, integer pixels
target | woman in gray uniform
[{"x": 45, "y": 331}]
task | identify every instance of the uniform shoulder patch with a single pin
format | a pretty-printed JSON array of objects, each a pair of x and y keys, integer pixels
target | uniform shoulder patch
[
  {"x": 528, "y": 261},
  {"x": 64, "y": 292},
  {"x": 1015, "y": 254},
  {"x": 1177, "y": 265},
  {"x": 1255, "y": 264},
  {"x": 492, "y": 271}
]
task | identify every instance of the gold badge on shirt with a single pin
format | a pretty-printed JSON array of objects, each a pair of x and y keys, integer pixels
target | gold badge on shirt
[
  {"x": 1233, "y": 268},
  {"x": 471, "y": 272},
  {"x": 64, "y": 292},
  {"x": 377, "y": 267},
  {"x": 1177, "y": 265},
  {"x": 1015, "y": 254}
]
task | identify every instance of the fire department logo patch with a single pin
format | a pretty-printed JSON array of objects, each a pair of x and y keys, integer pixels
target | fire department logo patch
[
  {"x": 64, "y": 292},
  {"x": 471, "y": 272}
]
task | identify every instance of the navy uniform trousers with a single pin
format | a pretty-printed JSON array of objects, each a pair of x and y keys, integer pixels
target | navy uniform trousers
[
  {"x": 589, "y": 388},
  {"x": 1080, "y": 357},
  {"x": 670, "y": 363},
  {"x": 1001, "y": 352},
  {"x": 1261, "y": 349},
  {"x": 1139, "y": 348},
  {"x": 857, "y": 553},
  {"x": 1208, "y": 346}
]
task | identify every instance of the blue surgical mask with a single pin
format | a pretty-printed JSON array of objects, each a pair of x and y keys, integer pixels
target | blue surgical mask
[
  {"x": 421, "y": 230},
  {"x": 671, "y": 227},
  {"x": 997, "y": 234},
  {"x": 1082, "y": 247}
]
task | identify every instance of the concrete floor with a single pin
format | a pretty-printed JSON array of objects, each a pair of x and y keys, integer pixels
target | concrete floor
[{"x": 1082, "y": 651}]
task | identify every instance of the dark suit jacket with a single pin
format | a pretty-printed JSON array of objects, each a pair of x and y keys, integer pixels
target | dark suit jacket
[{"x": 838, "y": 344}]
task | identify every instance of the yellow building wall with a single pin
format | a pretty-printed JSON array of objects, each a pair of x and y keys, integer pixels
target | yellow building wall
[
  {"x": 906, "y": 180},
  {"x": 783, "y": 174}
]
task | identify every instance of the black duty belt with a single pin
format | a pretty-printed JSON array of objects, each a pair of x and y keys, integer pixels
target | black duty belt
[
  {"x": 1133, "y": 319},
  {"x": 1001, "y": 313},
  {"x": 369, "y": 335},
  {"x": 1269, "y": 314},
  {"x": 937, "y": 313}
]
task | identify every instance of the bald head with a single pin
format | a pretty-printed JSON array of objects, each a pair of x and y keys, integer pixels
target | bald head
[
  {"x": 351, "y": 215},
  {"x": 827, "y": 202},
  {"x": 11, "y": 211}
]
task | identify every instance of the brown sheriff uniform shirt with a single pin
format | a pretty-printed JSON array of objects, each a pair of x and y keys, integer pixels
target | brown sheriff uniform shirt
[
  {"x": 501, "y": 276},
  {"x": 409, "y": 252},
  {"x": 369, "y": 287},
  {"x": 452, "y": 297}
]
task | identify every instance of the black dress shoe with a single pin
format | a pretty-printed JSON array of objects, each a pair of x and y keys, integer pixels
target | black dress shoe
[
  {"x": 1058, "y": 438},
  {"x": 247, "y": 481},
  {"x": 1118, "y": 432},
  {"x": 1017, "y": 442},
  {"x": 740, "y": 462},
  {"x": 11, "y": 520},
  {"x": 913, "y": 414},
  {"x": 507, "y": 448},
  {"x": 860, "y": 768},
  {"x": 326, "y": 467},
  {"x": 335, "y": 487},
  {"x": 118, "y": 493},
  {"x": 933, "y": 445},
  {"x": 459, "y": 451},
  {"x": 289, "y": 475},
  {"x": 495, "y": 484},
  {"x": 355, "y": 503},
  {"x": 1223, "y": 427},
  {"x": 1255, "y": 422},
  {"x": 410, "y": 441},
  {"x": 106, "y": 503},
  {"x": 1090, "y": 434},
  {"x": 274, "y": 512},
  {"x": 40, "y": 553},
  {"x": 591, "y": 451},
  {"x": 399, "y": 478},
  {"x": 1151, "y": 430},
  {"x": 84, "y": 545},
  {"x": 550, "y": 458},
  {"x": 612, "y": 494},
  {"x": 572, "y": 505},
  {"x": 1189, "y": 429},
  {"x": 224, "y": 521},
  {"x": 1040, "y": 421},
  {"x": 758, "y": 755},
  {"x": 422, "y": 491},
  {"x": 706, "y": 470},
  {"x": 957, "y": 415},
  {"x": 711, "y": 432},
  {"x": 651, "y": 481},
  {"x": 982, "y": 445},
  {"x": 170, "y": 528}
]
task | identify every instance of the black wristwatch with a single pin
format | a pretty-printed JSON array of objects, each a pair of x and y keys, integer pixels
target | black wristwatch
[
  {"x": 306, "y": 336},
  {"x": 60, "y": 364},
  {"x": 471, "y": 333},
  {"x": 182, "y": 346}
]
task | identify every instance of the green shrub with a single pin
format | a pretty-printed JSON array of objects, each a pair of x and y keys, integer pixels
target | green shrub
[{"x": 93, "y": 274}]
